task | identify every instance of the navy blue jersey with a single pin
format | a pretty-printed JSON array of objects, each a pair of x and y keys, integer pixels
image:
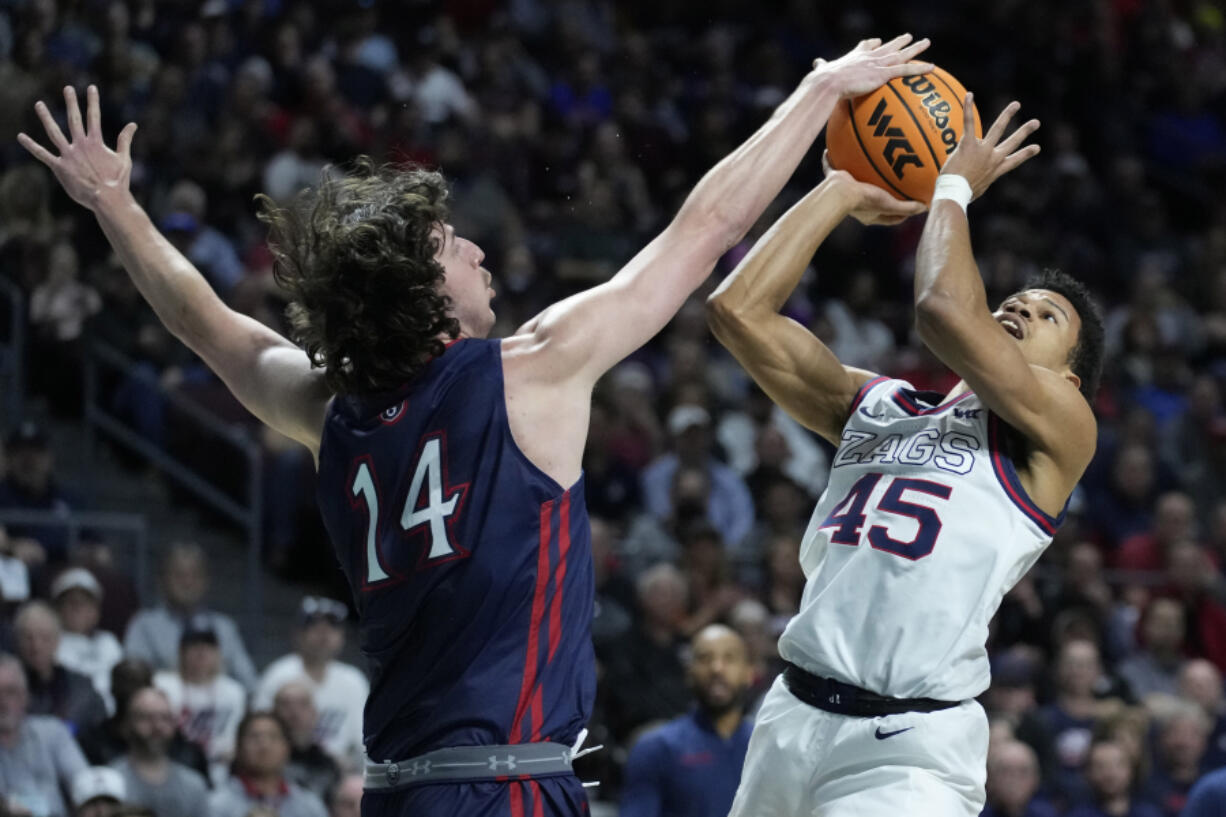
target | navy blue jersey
[{"x": 471, "y": 568}]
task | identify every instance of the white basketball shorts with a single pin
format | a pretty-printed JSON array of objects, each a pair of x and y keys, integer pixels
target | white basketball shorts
[{"x": 805, "y": 762}]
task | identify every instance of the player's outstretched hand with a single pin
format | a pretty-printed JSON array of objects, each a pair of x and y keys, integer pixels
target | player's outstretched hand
[
  {"x": 983, "y": 161},
  {"x": 85, "y": 166},
  {"x": 871, "y": 64},
  {"x": 868, "y": 203}
]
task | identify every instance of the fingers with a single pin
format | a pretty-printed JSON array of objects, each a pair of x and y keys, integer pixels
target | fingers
[
  {"x": 75, "y": 128},
  {"x": 895, "y": 44},
  {"x": 123, "y": 145},
  {"x": 1024, "y": 155},
  {"x": 1018, "y": 137},
  {"x": 910, "y": 69},
  {"x": 93, "y": 113},
  {"x": 826, "y": 166},
  {"x": 915, "y": 49},
  {"x": 37, "y": 151},
  {"x": 50, "y": 126},
  {"x": 1002, "y": 121},
  {"x": 968, "y": 116},
  {"x": 869, "y": 44}
]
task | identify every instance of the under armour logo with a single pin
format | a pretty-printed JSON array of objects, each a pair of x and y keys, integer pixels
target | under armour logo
[
  {"x": 967, "y": 414},
  {"x": 419, "y": 767},
  {"x": 509, "y": 763}
]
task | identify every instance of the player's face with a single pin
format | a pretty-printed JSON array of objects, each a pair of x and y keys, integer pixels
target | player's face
[
  {"x": 467, "y": 283},
  {"x": 1046, "y": 326}
]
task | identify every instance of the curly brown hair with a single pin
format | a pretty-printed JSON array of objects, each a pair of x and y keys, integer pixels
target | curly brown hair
[{"x": 355, "y": 254}]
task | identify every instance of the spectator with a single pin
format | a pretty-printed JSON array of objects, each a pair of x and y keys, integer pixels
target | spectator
[
  {"x": 259, "y": 780},
  {"x": 310, "y": 766},
  {"x": 151, "y": 777},
  {"x": 97, "y": 792},
  {"x": 1156, "y": 667},
  {"x": 208, "y": 703},
  {"x": 1069, "y": 719},
  {"x": 153, "y": 635},
  {"x": 1182, "y": 736},
  {"x": 1201, "y": 683},
  {"x": 645, "y": 679},
  {"x": 347, "y": 797},
  {"x": 1013, "y": 782},
  {"x": 83, "y": 647},
  {"x": 186, "y": 228},
  {"x": 611, "y": 616},
  {"x": 38, "y": 758},
  {"x": 691, "y": 766},
  {"x": 752, "y": 623},
  {"x": 729, "y": 506},
  {"x": 1192, "y": 578},
  {"x": 861, "y": 338},
  {"x": 1112, "y": 776},
  {"x": 30, "y": 484},
  {"x": 340, "y": 689},
  {"x": 53, "y": 688},
  {"x": 1174, "y": 521},
  {"x": 108, "y": 740},
  {"x": 712, "y": 592},
  {"x": 59, "y": 307}
]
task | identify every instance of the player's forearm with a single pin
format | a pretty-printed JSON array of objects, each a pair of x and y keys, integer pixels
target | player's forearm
[
  {"x": 947, "y": 280},
  {"x": 768, "y": 275},
  {"x": 734, "y": 193},
  {"x": 165, "y": 278}
]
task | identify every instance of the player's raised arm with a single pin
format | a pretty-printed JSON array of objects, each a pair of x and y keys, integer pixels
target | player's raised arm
[
  {"x": 269, "y": 375},
  {"x": 792, "y": 366},
  {"x": 583, "y": 336},
  {"x": 1032, "y": 387}
]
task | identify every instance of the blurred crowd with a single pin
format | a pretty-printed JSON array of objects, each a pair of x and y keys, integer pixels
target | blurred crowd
[{"x": 570, "y": 130}]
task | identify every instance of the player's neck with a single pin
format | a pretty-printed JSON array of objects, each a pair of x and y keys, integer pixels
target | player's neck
[{"x": 315, "y": 667}]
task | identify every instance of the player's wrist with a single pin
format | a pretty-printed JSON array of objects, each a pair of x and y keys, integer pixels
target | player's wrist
[{"x": 955, "y": 188}]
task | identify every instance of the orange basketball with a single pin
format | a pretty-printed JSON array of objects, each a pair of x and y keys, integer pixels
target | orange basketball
[{"x": 899, "y": 136}]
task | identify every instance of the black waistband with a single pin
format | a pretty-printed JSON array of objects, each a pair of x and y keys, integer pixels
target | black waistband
[{"x": 845, "y": 699}]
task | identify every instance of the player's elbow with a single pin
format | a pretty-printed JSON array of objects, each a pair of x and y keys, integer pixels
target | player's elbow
[{"x": 723, "y": 315}]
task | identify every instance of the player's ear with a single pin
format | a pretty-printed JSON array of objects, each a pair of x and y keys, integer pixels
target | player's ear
[{"x": 1072, "y": 377}]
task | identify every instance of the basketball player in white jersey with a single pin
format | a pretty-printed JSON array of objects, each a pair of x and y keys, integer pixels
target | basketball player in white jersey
[{"x": 937, "y": 503}]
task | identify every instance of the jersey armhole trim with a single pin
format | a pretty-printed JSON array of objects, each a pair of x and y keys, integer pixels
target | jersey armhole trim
[
  {"x": 905, "y": 402},
  {"x": 863, "y": 391},
  {"x": 1006, "y": 474}
]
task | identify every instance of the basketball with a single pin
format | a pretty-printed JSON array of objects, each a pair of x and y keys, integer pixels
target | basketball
[{"x": 899, "y": 136}]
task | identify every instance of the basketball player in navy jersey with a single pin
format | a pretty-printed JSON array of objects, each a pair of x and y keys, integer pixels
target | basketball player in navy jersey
[{"x": 449, "y": 465}]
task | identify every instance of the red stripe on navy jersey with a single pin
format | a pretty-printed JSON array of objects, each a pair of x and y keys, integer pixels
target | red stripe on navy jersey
[
  {"x": 517, "y": 800},
  {"x": 538, "y": 802},
  {"x": 555, "y": 611},
  {"x": 532, "y": 653}
]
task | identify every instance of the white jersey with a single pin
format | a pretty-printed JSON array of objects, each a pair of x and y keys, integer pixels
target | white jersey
[{"x": 922, "y": 530}]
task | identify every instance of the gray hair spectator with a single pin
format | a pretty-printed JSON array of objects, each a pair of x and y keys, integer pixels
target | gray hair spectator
[
  {"x": 259, "y": 779},
  {"x": 97, "y": 792},
  {"x": 84, "y": 647},
  {"x": 1183, "y": 731},
  {"x": 38, "y": 757},
  {"x": 150, "y": 776},
  {"x": 1013, "y": 782},
  {"x": 53, "y": 688},
  {"x": 1155, "y": 668},
  {"x": 309, "y": 765},
  {"x": 339, "y": 689},
  {"x": 153, "y": 635},
  {"x": 1201, "y": 683}
]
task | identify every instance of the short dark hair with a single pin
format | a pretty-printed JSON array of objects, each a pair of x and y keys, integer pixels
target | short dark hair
[
  {"x": 1086, "y": 356},
  {"x": 356, "y": 256}
]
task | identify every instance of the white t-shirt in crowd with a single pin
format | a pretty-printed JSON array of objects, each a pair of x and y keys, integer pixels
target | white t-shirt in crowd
[
  {"x": 93, "y": 656},
  {"x": 340, "y": 699},
  {"x": 208, "y": 715}
]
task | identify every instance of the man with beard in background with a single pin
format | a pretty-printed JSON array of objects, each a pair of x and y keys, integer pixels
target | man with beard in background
[{"x": 691, "y": 766}]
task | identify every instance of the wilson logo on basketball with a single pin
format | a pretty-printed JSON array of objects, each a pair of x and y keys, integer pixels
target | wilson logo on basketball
[
  {"x": 897, "y": 151},
  {"x": 937, "y": 108}
]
